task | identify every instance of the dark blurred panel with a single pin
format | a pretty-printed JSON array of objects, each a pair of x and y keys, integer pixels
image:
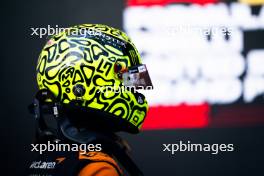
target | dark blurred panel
[
  {"x": 21, "y": 51},
  {"x": 246, "y": 159}
]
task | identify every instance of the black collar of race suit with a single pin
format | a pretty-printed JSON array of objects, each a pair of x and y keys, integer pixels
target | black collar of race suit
[
  {"x": 111, "y": 144},
  {"x": 51, "y": 111}
]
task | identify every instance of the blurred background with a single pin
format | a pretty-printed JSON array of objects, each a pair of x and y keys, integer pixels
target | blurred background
[{"x": 206, "y": 61}]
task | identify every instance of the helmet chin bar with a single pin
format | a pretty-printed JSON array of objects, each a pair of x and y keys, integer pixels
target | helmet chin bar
[{"x": 45, "y": 104}]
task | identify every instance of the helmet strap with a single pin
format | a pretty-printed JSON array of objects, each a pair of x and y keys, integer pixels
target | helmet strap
[{"x": 46, "y": 111}]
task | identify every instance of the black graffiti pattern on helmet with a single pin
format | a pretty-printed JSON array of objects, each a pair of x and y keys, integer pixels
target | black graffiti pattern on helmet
[{"x": 68, "y": 60}]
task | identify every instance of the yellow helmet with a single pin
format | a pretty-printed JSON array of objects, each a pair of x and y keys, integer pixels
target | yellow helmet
[{"x": 97, "y": 68}]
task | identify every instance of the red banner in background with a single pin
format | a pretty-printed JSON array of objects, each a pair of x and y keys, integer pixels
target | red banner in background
[
  {"x": 165, "y": 2},
  {"x": 182, "y": 116}
]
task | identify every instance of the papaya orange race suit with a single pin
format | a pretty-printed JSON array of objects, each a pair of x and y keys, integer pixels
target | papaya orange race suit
[{"x": 74, "y": 163}]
